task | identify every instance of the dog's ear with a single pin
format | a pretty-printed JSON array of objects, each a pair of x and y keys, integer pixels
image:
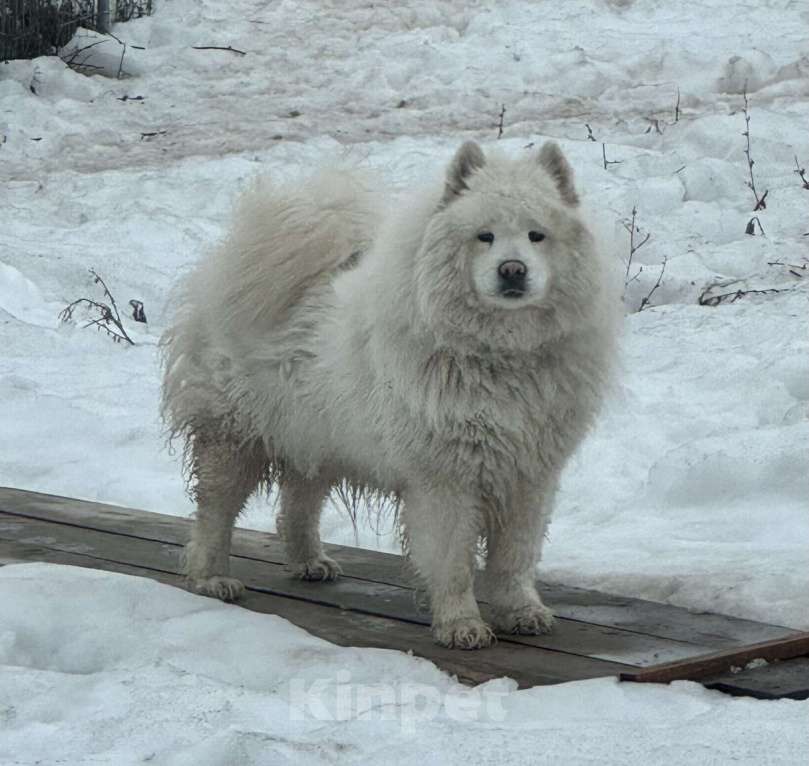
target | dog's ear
[
  {"x": 466, "y": 161},
  {"x": 554, "y": 162}
]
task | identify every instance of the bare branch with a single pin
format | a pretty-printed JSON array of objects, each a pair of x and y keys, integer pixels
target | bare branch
[
  {"x": 633, "y": 229},
  {"x": 123, "y": 53},
  {"x": 801, "y": 172},
  {"x": 71, "y": 59},
  {"x": 108, "y": 319},
  {"x": 715, "y": 300},
  {"x": 645, "y": 302},
  {"x": 98, "y": 280},
  {"x": 606, "y": 161},
  {"x": 636, "y": 241},
  {"x": 637, "y": 274},
  {"x": 761, "y": 201},
  {"x": 654, "y": 123},
  {"x": 219, "y": 48},
  {"x": 796, "y": 269}
]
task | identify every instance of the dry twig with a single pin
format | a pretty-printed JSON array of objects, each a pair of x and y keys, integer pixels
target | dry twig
[
  {"x": 633, "y": 229},
  {"x": 654, "y": 124},
  {"x": 715, "y": 300},
  {"x": 636, "y": 242},
  {"x": 645, "y": 301},
  {"x": 801, "y": 172},
  {"x": 108, "y": 319},
  {"x": 796, "y": 269},
  {"x": 761, "y": 201},
  {"x": 500, "y": 122},
  {"x": 604, "y": 156},
  {"x": 123, "y": 53},
  {"x": 72, "y": 59},
  {"x": 219, "y": 48}
]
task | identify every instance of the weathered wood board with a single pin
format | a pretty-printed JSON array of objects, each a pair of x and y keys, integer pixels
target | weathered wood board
[{"x": 374, "y": 603}]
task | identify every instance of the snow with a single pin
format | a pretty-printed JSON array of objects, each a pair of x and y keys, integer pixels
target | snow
[
  {"x": 121, "y": 682},
  {"x": 691, "y": 490}
]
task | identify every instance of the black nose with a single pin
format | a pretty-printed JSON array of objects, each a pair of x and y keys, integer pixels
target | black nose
[{"x": 512, "y": 272}]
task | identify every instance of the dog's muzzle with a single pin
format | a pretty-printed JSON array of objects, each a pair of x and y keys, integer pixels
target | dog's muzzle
[{"x": 512, "y": 277}]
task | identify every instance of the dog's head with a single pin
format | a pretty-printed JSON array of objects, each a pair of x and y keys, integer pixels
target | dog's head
[{"x": 505, "y": 255}]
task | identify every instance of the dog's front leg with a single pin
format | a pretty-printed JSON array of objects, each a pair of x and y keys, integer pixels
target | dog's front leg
[
  {"x": 442, "y": 527},
  {"x": 514, "y": 543},
  {"x": 299, "y": 525}
]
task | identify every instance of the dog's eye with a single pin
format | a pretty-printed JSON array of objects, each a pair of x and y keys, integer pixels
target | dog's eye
[
  {"x": 486, "y": 236},
  {"x": 536, "y": 236}
]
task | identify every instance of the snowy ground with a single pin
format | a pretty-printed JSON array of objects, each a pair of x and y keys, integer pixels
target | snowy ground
[
  {"x": 127, "y": 688},
  {"x": 692, "y": 490}
]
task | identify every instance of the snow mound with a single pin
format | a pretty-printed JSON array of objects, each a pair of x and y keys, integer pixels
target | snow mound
[{"x": 21, "y": 298}]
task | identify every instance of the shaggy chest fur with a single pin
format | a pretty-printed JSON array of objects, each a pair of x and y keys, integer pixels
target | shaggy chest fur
[{"x": 491, "y": 420}]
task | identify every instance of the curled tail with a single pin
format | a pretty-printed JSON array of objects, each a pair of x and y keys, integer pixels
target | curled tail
[{"x": 282, "y": 241}]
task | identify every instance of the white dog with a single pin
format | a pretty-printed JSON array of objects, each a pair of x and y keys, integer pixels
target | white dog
[{"x": 451, "y": 355}]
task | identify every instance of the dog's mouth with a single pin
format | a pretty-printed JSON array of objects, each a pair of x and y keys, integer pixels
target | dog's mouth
[{"x": 513, "y": 292}]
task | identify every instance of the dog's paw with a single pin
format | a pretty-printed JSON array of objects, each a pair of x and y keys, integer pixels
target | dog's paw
[
  {"x": 529, "y": 620},
  {"x": 317, "y": 569},
  {"x": 223, "y": 588},
  {"x": 464, "y": 633}
]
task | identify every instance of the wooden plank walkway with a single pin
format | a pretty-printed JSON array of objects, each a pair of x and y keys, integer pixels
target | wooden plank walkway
[{"x": 374, "y": 603}]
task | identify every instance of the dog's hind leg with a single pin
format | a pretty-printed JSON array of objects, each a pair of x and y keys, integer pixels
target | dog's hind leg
[
  {"x": 226, "y": 473},
  {"x": 441, "y": 530},
  {"x": 299, "y": 526}
]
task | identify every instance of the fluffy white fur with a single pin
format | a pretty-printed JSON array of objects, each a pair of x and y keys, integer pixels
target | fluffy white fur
[{"x": 324, "y": 343}]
